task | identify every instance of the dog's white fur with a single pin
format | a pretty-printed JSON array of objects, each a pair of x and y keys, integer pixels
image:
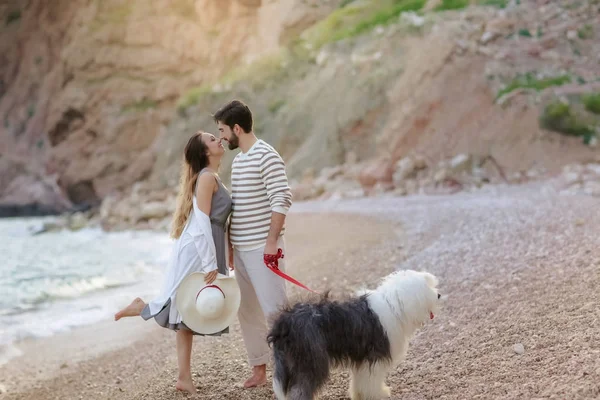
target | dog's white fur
[
  {"x": 403, "y": 302},
  {"x": 279, "y": 395}
]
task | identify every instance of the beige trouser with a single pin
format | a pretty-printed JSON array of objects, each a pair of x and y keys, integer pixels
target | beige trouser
[{"x": 263, "y": 292}]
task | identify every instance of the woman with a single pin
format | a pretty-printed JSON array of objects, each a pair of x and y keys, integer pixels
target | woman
[{"x": 202, "y": 195}]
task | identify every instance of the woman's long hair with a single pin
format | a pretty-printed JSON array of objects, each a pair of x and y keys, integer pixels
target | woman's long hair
[{"x": 195, "y": 159}]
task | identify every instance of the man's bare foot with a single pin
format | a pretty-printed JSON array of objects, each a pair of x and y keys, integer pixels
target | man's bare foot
[
  {"x": 258, "y": 378},
  {"x": 132, "y": 310},
  {"x": 186, "y": 385}
]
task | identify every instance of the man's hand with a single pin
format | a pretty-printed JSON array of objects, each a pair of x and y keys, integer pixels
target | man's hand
[
  {"x": 277, "y": 221},
  {"x": 210, "y": 277},
  {"x": 270, "y": 248}
]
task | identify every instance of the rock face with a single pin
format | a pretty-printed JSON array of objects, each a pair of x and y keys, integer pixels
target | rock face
[
  {"x": 387, "y": 98},
  {"x": 87, "y": 87},
  {"x": 96, "y": 96}
]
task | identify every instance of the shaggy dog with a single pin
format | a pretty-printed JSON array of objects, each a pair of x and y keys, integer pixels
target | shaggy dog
[{"x": 368, "y": 334}]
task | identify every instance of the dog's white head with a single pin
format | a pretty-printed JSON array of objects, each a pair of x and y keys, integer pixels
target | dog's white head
[{"x": 412, "y": 296}]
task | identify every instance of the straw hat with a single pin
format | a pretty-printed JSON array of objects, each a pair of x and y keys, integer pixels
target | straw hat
[{"x": 208, "y": 309}]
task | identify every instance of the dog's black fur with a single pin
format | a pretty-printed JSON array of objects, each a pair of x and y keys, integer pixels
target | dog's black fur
[{"x": 311, "y": 337}]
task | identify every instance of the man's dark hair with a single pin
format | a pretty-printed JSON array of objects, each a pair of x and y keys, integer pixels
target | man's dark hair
[{"x": 235, "y": 112}]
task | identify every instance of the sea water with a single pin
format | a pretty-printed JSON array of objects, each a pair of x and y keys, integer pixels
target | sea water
[{"x": 54, "y": 281}]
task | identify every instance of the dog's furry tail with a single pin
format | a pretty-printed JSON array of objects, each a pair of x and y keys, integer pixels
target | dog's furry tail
[
  {"x": 300, "y": 352},
  {"x": 301, "y": 365},
  {"x": 281, "y": 373},
  {"x": 281, "y": 377}
]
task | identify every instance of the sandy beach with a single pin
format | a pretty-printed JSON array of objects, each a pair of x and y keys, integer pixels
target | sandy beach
[
  {"x": 519, "y": 265},
  {"x": 136, "y": 359}
]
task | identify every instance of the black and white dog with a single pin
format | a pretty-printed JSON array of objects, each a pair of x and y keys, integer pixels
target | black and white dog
[{"x": 368, "y": 334}]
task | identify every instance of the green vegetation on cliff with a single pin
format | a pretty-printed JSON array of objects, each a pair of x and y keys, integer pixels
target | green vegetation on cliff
[
  {"x": 452, "y": 5},
  {"x": 530, "y": 81},
  {"x": 354, "y": 19},
  {"x": 265, "y": 71},
  {"x": 138, "y": 106},
  {"x": 592, "y": 102},
  {"x": 562, "y": 118}
]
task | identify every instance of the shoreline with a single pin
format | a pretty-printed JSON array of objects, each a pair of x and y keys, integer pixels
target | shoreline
[
  {"x": 76, "y": 353},
  {"x": 56, "y": 282},
  {"x": 46, "y": 358}
]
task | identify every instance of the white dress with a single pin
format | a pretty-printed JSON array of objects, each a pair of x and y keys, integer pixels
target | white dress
[{"x": 193, "y": 251}]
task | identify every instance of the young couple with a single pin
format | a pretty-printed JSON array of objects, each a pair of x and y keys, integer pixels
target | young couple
[{"x": 258, "y": 204}]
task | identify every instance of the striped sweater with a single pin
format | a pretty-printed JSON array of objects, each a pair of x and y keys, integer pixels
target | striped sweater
[{"x": 259, "y": 186}]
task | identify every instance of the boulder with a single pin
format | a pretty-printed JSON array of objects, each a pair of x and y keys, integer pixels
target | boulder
[
  {"x": 77, "y": 221},
  {"x": 405, "y": 167},
  {"x": 380, "y": 170},
  {"x": 461, "y": 163}
]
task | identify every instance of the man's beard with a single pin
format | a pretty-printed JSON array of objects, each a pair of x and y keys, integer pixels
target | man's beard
[{"x": 233, "y": 143}]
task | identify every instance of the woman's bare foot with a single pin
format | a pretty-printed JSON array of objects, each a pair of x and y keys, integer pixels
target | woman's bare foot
[
  {"x": 132, "y": 310},
  {"x": 258, "y": 378},
  {"x": 186, "y": 385}
]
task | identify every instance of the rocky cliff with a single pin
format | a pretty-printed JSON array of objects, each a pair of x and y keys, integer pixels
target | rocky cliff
[
  {"x": 366, "y": 93},
  {"x": 87, "y": 87},
  {"x": 469, "y": 81}
]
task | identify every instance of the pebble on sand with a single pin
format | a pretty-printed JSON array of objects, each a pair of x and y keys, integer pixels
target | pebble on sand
[{"x": 519, "y": 348}]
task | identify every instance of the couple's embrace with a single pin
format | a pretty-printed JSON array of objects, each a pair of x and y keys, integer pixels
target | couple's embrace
[{"x": 215, "y": 232}]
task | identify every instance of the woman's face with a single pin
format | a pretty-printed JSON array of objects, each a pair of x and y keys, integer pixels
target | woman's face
[{"x": 214, "y": 146}]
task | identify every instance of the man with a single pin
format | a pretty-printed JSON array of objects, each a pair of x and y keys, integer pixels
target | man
[{"x": 261, "y": 199}]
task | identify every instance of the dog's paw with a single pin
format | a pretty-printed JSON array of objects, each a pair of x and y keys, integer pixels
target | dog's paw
[
  {"x": 386, "y": 391},
  {"x": 354, "y": 394}
]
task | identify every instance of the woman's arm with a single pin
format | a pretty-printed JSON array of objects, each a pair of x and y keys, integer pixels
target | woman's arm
[
  {"x": 230, "y": 246},
  {"x": 204, "y": 193}
]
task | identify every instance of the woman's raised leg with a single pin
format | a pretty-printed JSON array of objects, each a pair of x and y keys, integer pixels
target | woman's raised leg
[{"x": 132, "y": 310}]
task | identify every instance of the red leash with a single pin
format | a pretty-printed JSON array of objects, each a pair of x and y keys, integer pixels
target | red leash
[{"x": 272, "y": 262}]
